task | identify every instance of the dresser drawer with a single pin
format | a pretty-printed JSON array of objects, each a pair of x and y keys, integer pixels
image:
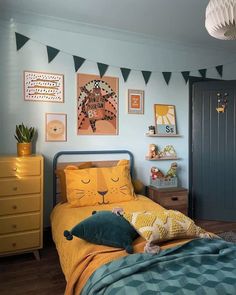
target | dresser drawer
[
  {"x": 10, "y": 187},
  {"x": 20, "y": 167},
  {"x": 17, "y": 223},
  {"x": 21, "y": 204},
  {"x": 20, "y": 241}
]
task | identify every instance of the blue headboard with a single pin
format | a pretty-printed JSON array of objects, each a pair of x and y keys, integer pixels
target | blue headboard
[{"x": 64, "y": 153}]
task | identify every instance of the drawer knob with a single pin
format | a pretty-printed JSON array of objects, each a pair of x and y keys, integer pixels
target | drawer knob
[
  {"x": 14, "y": 207},
  {"x": 14, "y": 169},
  {"x": 13, "y": 244},
  {"x": 14, "y": 225},
  {"x": 15, "y": 188},
  {"x": 174, "y": 198}
]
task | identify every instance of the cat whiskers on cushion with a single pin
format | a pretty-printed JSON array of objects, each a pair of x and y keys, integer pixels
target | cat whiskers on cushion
[
  {"x": 79, "y": 193},
  {"x": 124, "y": 189}
]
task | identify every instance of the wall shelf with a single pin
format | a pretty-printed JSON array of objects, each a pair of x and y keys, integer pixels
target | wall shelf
[
  {"x": 163, "y": 135},
  {"x": 162, "y": 159}
]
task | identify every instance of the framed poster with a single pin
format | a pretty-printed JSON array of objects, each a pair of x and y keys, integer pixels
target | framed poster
[
  {"x": 165, "y": 119},
  {"x": 55, "y": 127},
  {"x": 47, "y": 87},
  {"x": 97, "y": 110},
  {"x": 135, "y": 101}
]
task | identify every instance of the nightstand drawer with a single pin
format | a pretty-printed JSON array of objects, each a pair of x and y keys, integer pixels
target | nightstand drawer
[
  {"x": 10, "y": 187},
  {"x": 19, "y": 167},
  {"x": 17, "y": 223},
  {"x": 175, "y": 199},
  {"x": 21, "y": 241},
  {"x": 21, "y": 204}
]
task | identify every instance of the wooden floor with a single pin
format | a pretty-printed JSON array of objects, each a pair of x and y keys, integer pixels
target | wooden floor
[{"x": 23, "y": 275}]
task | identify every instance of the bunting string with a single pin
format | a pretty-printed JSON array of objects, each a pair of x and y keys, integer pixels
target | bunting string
[{"x": 52, "y": 52}]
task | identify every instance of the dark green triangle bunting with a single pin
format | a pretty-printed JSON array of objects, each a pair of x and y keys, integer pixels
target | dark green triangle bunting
[
  {"x": 102, "y": 68},
  {"x": 185, "y": 75},
  {"x": 20, "y": 40},
  {"x": 125, "y": 73},
  {"x": 167, "y": 76},
  {"x": 220, "y": 70},
  {"x": 146, "y": 76},
  {"x": 78, "y": 61},
  {"x": 203, "y": 72},
  {"x": 52, "y": 53}
]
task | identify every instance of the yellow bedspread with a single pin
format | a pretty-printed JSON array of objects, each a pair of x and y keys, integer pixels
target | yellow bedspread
[{"x": 78, "y": 258}]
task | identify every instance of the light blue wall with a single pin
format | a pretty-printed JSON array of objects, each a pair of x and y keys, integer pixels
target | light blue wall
[{"x": 137, "y": 55}]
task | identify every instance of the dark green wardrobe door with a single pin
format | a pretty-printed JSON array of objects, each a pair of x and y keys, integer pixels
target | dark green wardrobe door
[{"x": 214, "y": 150}]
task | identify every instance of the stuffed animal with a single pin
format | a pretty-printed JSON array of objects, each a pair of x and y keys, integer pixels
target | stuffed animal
[
  {"x": 156, "y": 173},
  {"x": 171, "y": 173},
  {"x": 152, "y": 151}
]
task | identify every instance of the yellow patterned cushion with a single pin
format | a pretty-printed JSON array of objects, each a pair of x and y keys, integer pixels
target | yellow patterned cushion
[
  {"x": 98, "y": 186},
  {"x": 163, "y": 225}
]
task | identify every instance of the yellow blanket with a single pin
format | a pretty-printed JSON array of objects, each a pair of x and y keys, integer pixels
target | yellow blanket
[{"x": 78, "y": 258}]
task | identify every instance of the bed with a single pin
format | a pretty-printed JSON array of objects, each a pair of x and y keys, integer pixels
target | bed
[{"x": 183, "y": 266}]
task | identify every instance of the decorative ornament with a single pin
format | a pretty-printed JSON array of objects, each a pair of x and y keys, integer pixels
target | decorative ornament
[
  {"x": 168, "y": 152},
  {"x": 221, "y": 18},
  {"x": 222, "y": 102}
]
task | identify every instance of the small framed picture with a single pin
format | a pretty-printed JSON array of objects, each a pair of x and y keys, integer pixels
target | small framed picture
[
  {"x": 55, "y": 127},
  {"x": 135, "y": 101},
  {"x": 46, "y": 87},
  {"x": 165, "y": 119}
]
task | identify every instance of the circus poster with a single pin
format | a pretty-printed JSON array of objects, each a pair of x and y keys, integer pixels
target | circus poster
[{"x": 97, "y": 108}]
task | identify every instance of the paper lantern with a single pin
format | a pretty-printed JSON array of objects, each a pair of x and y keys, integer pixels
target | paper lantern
[{"x": 220, "y": 19}]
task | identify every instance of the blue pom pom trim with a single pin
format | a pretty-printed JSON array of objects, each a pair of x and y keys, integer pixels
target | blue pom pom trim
[{"x": 68, "y": 235}]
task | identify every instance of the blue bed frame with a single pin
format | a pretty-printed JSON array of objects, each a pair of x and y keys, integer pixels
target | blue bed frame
[{"x": 63, "y": 153}]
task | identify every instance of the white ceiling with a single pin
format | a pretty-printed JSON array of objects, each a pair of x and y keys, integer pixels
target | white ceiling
[{"x": 177, "y": 21}]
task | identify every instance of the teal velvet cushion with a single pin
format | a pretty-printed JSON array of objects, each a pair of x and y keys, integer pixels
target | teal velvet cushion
[{"x": 105, "y": 228}]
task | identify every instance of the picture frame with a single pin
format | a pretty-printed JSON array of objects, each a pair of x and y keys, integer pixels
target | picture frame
[
  {"x": 55, "y": 127},
  {"x": 43, "y": 87},
  {"x": 135, "y": 101},
  {"x": 97, "y": 105},
  {"x": 165, "y": 119}
]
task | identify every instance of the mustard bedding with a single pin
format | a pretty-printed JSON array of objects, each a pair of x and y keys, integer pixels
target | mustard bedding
[{"x": 78, "y": 258}]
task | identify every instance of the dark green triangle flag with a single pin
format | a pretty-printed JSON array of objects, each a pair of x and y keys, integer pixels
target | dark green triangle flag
[
  {"x": 220, "y": 70},
  {"x": 203, "y": 72},
  {"x": 78, "y": 61},
  {"x": 146, "y": 76},
  {"x": 102, "y": 68},
  {"x": 185, "y": 75},
  {"x": 125, "y": 73},
  {"x": 166, "y": 76},
  {"x": 52, "y": 53},
  {"x": 20, "y": 40}
]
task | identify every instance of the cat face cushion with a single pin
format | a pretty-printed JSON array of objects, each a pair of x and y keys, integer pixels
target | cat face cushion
[{"x": 98, "y": 186}]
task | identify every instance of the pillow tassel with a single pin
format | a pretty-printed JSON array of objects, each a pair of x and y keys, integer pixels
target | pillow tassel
[{"x": 68, "y": 235}]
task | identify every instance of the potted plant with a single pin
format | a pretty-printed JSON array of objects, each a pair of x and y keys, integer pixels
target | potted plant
[{"x": 24, "y": 136}]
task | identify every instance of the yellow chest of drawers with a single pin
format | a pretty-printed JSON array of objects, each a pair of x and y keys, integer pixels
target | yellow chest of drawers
[{"x": 21, "y": 204}]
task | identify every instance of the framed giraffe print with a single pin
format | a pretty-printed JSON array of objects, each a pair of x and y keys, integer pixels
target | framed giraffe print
[{"x": 97, "y": 105}]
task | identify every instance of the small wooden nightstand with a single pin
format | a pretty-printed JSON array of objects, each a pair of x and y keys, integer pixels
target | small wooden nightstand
[{"x": 170, "y": 198}]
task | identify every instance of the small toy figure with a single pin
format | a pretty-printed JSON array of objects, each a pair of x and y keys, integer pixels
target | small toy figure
[
  {"x": 168, "y": 151},
  {"x": 156, "y": 173},
  {"x": 172, "y": 172},
  {"x": 152, "y": 151},
  {"x": 222, "y": 102},
  {"x": 151, "y": 129}
]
